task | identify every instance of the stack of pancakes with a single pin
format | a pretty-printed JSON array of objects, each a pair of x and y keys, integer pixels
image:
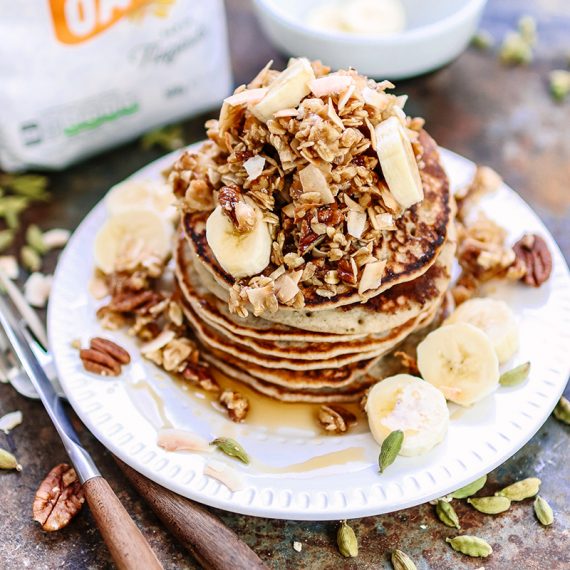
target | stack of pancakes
[{"x": 332, "y": 349}]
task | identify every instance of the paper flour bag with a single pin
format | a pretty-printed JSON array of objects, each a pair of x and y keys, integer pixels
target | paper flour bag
[{"x": 78, "y": 76}]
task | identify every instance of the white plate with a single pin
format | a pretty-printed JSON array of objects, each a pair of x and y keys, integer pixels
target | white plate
[{"x": 124, "y": 417}]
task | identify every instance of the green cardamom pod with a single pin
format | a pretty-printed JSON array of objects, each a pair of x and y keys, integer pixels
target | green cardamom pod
[
  {"x": 30, "y": 258},
  {"x": 29, "y": 185},
  {"x": 543, "y": 511},
  {"x": 470, "y": 545},
  {"x": 390, "y": 448},
  {"x": 232, "y": 448},
  {"x": 401, "y": 561},
  {"x": 446, "y": 514},
  {"x": 562, "y": 410},
  {"x": 8, "y": 461},
  {"x": 167, "y": 138},
  {"x": 6, "y": 239},
  {"x": 521, "y": 490},
  {"x": 490, "y": 505},
  {"x": 346, "y": 540},
  {"x": 515, "y": 376},
  {"x": 470, "y": 489},
  {"x": 35, "y": 239}
]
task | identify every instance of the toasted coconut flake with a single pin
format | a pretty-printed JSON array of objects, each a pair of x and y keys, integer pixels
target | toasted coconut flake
[
  {"x": 246, "y": 217},
  {"x": 313, "y": 180},
  {"x": 236, "y": 103},
  {"x": 9, "y": 421},
  {"x": 254, "y": 166},
  {"x": 98, "y": 287},
  {"x": 56, "y": 238},
  {"x": 355, "y": 223},
  {"x": 9, "y": 265},
  {"x": 385, "y": 222},
  {"x": 332, "y": 115},
  {"x": 401, "y": 101},
  {"x": 37, "y": 289},
  {"x": 374, "y": 98},
  {"x": 352, "y": 205},
  {"x": 371, "y": 276},
  {"x": 287, "y": 287},
  {"x": 159, "y": 342},
  {"x": 289, "y": 210},
  {"x": 224, "y": 474},
  {"x": 329, "y": 85},
  {"x": 345, "y": 97},
  {"x": 181, "y": 440},
  {"x": 292, "y": 112}
]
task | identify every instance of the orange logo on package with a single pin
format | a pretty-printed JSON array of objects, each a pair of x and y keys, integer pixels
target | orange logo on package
[{"x": 78, "y": 20}]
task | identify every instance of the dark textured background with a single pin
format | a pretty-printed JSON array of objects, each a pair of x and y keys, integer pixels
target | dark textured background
[{"x": 476, "y": 107}]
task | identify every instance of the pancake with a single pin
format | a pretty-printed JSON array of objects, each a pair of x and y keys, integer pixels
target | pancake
[
  {"x": 378, "y": 315},
  {"x": 409, "y": 251}
]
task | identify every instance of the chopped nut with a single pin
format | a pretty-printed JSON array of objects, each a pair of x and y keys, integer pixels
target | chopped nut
[
  {"x": 202, "y": 376},
  {"x": 336, "y": 419},
  {"x": 56, "y": 238},
  {"x": 408, "y": 362},
  {"x": 236, "y": 405},
  {"x": 175, "y": 354},
  {"x": 58, "y": 499},
  {"x": 297, "y": 546},
  {"x": 531, "y": 250}
]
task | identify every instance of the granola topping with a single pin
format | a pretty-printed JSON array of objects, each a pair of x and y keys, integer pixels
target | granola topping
[{"x": 311, "y": 168}]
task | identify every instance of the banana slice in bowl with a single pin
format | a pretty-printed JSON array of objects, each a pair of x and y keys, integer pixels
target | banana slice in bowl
[
  {"x": 407, "y": 403},
  {"x": 495, "y": 318},
  {"x": 459, "y": 359}
]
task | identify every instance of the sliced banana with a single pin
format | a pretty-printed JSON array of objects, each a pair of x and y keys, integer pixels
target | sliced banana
[
  {"x": 327, "y": 17},
  {"x": 287, "y": 90},
  {"x": 407, "y": 403},
  {"x": 374, "y": 17},
  {"x": 459, "y": 360},
  {"x": 241, "y": 254},
  {"x": 398, "y": 162},
  {"x": 496, "y": 319},
  {"x": 141, "y": 233},
  {"x": 142, "y": 195}
]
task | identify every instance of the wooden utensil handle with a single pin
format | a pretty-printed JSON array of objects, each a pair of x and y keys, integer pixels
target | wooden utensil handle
[
  {"x": 128, "y": 547},
  {"x": 211, "y": 542}
]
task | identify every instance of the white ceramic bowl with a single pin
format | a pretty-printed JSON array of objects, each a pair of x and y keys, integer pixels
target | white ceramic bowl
[{"x": 436, "y": 32}]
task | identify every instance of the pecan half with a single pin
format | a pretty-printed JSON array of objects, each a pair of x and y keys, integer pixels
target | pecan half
[
  {"x": 58, "y": 499},
  {"x": 104, "y": 357},
  {"x": 531, "y": 250},
  {"x": 336, "y": 419},
  {"x": 134, "y": 302},
  {"x": 236, "y": 405}
]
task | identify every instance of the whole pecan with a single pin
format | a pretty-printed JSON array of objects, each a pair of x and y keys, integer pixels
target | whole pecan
[
  {"x": 134, "y": 302},
  {"x": 104, "y": 357},
  {"x": 531, "y": 250},
  {"x": 58, "y": 499},
  {"x": 336, "y": 419}
]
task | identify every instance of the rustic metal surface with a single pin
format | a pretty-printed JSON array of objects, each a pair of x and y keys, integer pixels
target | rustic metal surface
[{"x": 501, "y": 117}]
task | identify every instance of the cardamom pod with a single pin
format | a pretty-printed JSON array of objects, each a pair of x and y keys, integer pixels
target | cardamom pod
[
  {"x": 490, "y": 505},
  {"x": 8, "y": 461},
  {"x": 390, "y": 448},
  {"x": 401, "y": 561},
  {"x": 29, "y": 185},
  {"x": 562, "y": 410},
  {"x": 543, "y": 511},
  {"x": 515, "y": 376},
  {"x": 346, "y": 540},
  {"x": 446, "y": 514},
  {"x": 167, "y": 138},
  {"x": 30, "y": 258},
  {"x": 232, "y": 448},
  {"x": 521, "y": 490},
  {"x": 469, "y": 489},
  {"x": 470, "y": 545},
  {"x": 35, "y": 239},
  {"x": 6, "y": 239}
]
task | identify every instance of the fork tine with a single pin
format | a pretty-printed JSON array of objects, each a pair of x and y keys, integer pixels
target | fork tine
[{"x": 28, "y": 314}]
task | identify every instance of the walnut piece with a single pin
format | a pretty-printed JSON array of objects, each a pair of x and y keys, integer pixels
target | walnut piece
[
  {"x": 336, "y": 419},
  {"x": 533, "y": 254},
  {"x": 58, "y": 499},
  {"x": 201, "y": 375},
  {"x": 104, "y": 357},
  {"x": 408, "y": 362},
  {"x": 236, "y": 405}
]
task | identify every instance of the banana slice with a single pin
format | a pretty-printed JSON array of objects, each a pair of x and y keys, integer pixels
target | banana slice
[
  {"x": 407, "y": 403},
  {"x": 374, "y": 17},
  {"x": 142, "y": 195},
  {"x": 144, "y": 232},
  {"x": 398, "y": 162},
  {"x": 459, "y": 360},
  {"x": 241, "y": 254},
  {"x": 287, "y": 90},
  {"x": 495, "y": 319},
  {"x": 327, "y": 17}
]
